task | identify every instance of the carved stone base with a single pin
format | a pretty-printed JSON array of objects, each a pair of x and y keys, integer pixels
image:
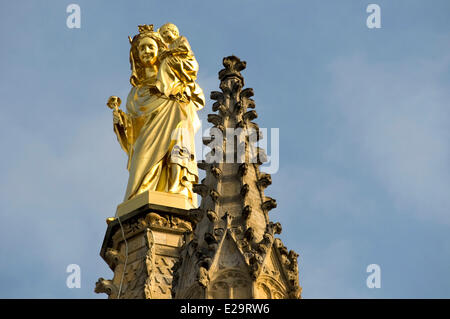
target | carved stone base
[{"x": 143, "y": 255}]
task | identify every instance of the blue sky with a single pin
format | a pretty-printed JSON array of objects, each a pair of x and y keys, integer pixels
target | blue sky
[{"x": 363, "y": 114}]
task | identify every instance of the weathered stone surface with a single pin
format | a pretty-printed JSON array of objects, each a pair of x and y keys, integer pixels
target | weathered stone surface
[
  {"x": 234, "y": 253},
  {"x": 142, "y": 257}
]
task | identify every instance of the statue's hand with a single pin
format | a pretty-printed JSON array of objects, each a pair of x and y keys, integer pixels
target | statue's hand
[
  {"x": 117, "y": 119},
  {"x": 114, "y": 103},
  {"x": 164, "y": 54}
]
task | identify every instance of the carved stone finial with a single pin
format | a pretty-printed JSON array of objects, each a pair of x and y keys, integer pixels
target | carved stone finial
[
  {"x": 113, "y": 258},
  {"x": 201, "y": 189},
  {"x": 233, "y": 67},
  {"x": 105, "y": 286}
]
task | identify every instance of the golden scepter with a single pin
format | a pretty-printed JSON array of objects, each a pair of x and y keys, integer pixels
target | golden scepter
[{"x": 114, "y": 103}]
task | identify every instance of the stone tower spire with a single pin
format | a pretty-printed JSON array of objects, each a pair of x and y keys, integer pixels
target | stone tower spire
[{"x": 233, "y": 252}]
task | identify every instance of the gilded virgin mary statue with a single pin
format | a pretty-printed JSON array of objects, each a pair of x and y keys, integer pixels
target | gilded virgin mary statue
[{"x": 157, "y": 130}]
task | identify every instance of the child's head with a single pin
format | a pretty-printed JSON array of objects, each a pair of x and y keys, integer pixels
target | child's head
[{"x": 169, "y": 32}]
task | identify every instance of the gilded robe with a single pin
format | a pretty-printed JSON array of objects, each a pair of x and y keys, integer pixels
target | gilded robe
[{"x": 159, "y": 133}]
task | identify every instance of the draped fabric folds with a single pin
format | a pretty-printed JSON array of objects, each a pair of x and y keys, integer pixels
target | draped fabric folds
[{"x": 159, "y": 139}]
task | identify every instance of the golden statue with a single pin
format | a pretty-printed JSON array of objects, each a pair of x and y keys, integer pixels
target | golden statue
[{"x": 157, "y": 130}]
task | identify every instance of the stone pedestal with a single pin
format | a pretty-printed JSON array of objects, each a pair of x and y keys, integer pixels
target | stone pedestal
[
  {"x": 153, "y": 197},
  {"x": 143, "y": 251}
]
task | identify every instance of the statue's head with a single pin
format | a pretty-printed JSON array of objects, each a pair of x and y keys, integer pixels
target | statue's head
[
  {"x": 169, "y": 32},
  {"x": 144, "y": 51},
  {"x": 147, "y": 49}
]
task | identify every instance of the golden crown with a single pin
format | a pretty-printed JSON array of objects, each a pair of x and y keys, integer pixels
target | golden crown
[{"x": 145, "y": 28}]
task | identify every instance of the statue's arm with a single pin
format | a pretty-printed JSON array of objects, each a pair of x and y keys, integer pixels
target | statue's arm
[
  {"x": 123, "y": 128},
  {"x": 182, "y": 47}
]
